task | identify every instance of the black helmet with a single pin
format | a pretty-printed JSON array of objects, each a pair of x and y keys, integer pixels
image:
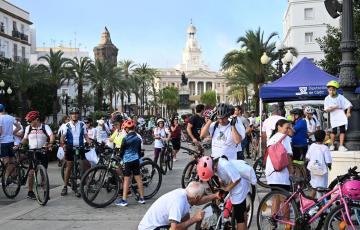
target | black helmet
[
  {"x": 74, "y": 110},
  {"x": 223, "y": 110},
  {"x": 117, "y": 118},
  {"x": 297, "y": 111}
]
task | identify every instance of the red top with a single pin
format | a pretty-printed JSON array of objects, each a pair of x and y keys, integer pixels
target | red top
[{"x": 176, "y": 133}]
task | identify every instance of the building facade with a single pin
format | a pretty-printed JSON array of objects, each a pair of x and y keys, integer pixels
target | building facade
[
  {"x": 305, "y": 21},
  {"x": 200, "y": 78},
  {"x": 14, "y": 32}
]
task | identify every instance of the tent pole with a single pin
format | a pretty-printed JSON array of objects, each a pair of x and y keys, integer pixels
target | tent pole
[{"x": 261, "y": 111}]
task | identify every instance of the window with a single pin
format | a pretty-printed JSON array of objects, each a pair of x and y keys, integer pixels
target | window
[
  {"x": 15, "y": 52},
  {"x": 22, "y": 28},
  {"x": 6, "y": 24},
  {"x": 14, "y": 26},
  {"x": 309, "y": 37},
  {"x": 23, "y": 52},
  {"x": 309, "y": 13},
  {"x": 64, "y": 91}
]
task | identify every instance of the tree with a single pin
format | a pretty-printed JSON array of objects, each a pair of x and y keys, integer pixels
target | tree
[
  {"x": 56, "y": 71},
  {"x": 170, "y": 97},
  {"x": 80, "y": 69},
  {"x": 245, "y": 62},
  {"x": 125, "y": 89},
  {"x": 208, "y": 98}
]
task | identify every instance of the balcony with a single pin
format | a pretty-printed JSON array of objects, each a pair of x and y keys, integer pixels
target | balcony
[
  {"x": 2, "y": 28},
  {"x": 16, "y": 34},
  {"x": 24, "y": 37}
]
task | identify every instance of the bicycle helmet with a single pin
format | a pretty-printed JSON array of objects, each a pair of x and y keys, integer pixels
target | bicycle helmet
[
  {"x": 160, "y": 120},
  {"x": 117, "y": 117},
  {"x": 309, "y": 109},
  {"x": 297, "y": 111},
  {"x": 222, "y": 110},
  {"x": 129, "y": 124},
  {"x": 205, "y": 168},
  {"x": 32, "y": 115},
  {"x": 207, "y": 113},
  {"x": 351, "y": 189},
  {"x": 333, "y": 83},
  {"x": 74, "y": 110}
]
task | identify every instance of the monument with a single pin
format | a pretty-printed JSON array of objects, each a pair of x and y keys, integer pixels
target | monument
[
  {"x": 184, "y": 94},
  {"x": 106, "y": 50}
]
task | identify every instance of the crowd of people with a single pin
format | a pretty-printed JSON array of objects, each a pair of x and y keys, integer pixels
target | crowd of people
[{"x": 230, "y": 131}]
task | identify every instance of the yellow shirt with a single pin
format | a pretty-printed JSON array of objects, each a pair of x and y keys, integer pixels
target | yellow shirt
[{"x": 117, "y": 137}]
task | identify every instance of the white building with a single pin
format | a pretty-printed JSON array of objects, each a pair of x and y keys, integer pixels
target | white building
[
  {"x": 14, "y": 32},
  {"x": 303, "y": 22}
]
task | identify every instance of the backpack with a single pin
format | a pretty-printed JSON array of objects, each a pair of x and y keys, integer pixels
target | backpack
[
  {"x": 42, "y": 129},
  {"x": 278, "y": 155}
]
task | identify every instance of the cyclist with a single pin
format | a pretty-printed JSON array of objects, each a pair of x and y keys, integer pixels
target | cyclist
[
  {"x": 241, "y": 119},
  {"x": 175, "y": 131},
  {"x": 91, "y": 131},
  {"x": 72, "y": 136},
  {"x": 269, "y": 124},
  {"x": 160, "y": 135},
  {"x": 299, "y": 137},
  {"x": 37, "y": 135},
  {"x": 172, "y": 209},
  {"x": 119, "y": 133},
  {"x": 101, "y": 131},
  {"x": 311, "y": 123},
  {"x": 20, "y": 134},
  {"x": 130, "y": 152},
  {"x": 195, "y": 124},
  {"x": 226, "y": 133},
  {"x": 231, "y": 182}
]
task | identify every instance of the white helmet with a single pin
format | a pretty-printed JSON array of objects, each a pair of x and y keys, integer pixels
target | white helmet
[
  {"x": 160, "y": 120},
  {"x": 309, "y": 109}
]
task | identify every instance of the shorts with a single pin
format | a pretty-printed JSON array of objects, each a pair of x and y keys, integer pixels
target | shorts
[
  {"x": 132, "y": 168},
  {"x": 70, "y": 152},
  {"x": 176, "y": 142},
  {"x": 6, "y": 149},
  {"x": 239, "y": 211},
  {"x": 41, "y": 157},
  {"x": 299, "y": 152},
  {"x": 342, "y": 129},
  {"x": 282, "y": 186}
]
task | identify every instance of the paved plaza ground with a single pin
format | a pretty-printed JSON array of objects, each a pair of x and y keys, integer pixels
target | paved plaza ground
[{"x": 70, "y": 212}]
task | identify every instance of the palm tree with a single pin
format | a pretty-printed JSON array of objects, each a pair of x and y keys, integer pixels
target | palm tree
[
  {"x": 80, "y": 73},
  {"x": 56, "y": 73},
  {"x": 98, "y": 73},
  {"x": 246, "y": 61},
  {"x": 125, "y": 89}
]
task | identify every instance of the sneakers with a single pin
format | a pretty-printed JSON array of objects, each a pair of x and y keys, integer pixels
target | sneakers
[
  {"x": 141, "y": 201},
  {"x": 332, "y": 147},
  {"x": 342, "y": 148},
  {"x": 121, "y": 202},
  {"x": 31, "y": 195},
  {"x": 64, "y": 191}
]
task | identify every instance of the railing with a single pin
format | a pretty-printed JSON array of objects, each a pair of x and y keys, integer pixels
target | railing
[
  {"x": 24, "y": 37},
  {"x": 16, "y": 34}
]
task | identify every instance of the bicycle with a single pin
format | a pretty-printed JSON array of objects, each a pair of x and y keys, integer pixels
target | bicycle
[
  {"x": 101, "y": 185},
  {"x": 189, "y": 173},
  {"x": 166, "y": 157},
  {"x": 218, "y": 213},
  {"x": 286, "y": 213},
  {"x": 14, "y": 176}
]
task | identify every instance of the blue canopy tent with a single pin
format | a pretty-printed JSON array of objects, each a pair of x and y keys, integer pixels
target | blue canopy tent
[{"x": 305, "y": 81}]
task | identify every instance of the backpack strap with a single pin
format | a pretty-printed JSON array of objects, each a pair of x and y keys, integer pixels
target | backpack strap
[
  {"x": 42, "y": 129},
  {"x": 215, "y": 127},
  {"x": 285, "y": 135}
]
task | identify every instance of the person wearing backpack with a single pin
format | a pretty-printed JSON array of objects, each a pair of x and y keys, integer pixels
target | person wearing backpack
[
  {"x": 279, "y": 159},
  {"x": 37, "y": 135}
]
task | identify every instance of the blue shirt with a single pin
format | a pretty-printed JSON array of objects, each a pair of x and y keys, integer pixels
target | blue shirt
[
  {"x": 300, "y": 137},
  {"x": 131, "y": 147}
]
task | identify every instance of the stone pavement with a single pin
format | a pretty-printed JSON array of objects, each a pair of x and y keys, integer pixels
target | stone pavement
[{"x": 70, "y": 212}]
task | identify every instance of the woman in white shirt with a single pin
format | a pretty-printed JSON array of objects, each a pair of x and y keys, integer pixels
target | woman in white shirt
[{"x": 160, "y": 135}]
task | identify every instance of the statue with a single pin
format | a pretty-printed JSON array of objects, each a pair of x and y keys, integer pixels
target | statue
[{"x": 184, "y": 79}]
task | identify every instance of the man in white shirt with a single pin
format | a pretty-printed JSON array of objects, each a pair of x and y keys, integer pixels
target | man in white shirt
[
  {"x": 172, "y": 209},
  {"x": 241, "y": 119},
  {"x": 37, "y": 135},
  {"x": 7, "y": 135},
  {"x": 226, "y": 135},
  {"x": 269, "y": 124}
]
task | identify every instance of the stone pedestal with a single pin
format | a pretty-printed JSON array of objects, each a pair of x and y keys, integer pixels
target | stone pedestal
[
  {"x": 342, "y": 161},
  {"x": 184, "y": 101}
]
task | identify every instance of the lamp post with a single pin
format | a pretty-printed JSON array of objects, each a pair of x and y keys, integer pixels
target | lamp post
[
  {"x": 3, "y": 90},
  {"x": 65, "y": 101},
  {"x": 348, "y": 80}
]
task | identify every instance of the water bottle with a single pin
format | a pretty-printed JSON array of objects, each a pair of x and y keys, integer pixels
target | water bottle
[{"x": 313, "y": 210}]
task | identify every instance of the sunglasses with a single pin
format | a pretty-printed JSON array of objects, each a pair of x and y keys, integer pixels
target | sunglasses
[{"x": 86, "y": 122}]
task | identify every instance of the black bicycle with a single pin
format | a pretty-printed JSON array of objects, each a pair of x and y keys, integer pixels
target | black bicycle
[
  {"x": 166, "y": 157},
  {"x": 189, "y": 173},
  {"x": 15, "y": 174},
  {"x": 102, "y": 184}
]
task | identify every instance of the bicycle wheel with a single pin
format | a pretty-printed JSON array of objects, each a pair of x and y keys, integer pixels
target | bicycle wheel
[
  {"x": 163, "y": 163},
  {"x": 11, "y": 180},
  {"x": 189, "y": 174},
  {"x": 337, "y": 218},
  {"x": 151, "y": 178},
  {"x": 42, "y": 188},
  {"x": 300, "y": 172},
  {"x": 146, "y": 159},
  {"x": 249, "y": 209},
  {"x": 211, "y": 219},
  {"x": 100, "y": 186},
  {"x": 260, "y": 173},
  {"x": 286, "y": 214},
  {"x": 170, "y": 160}
]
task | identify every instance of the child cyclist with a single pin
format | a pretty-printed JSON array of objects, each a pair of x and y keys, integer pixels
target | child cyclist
[
  {"x": 336, "y": 104},
  {"x": 232, "y": 182}
]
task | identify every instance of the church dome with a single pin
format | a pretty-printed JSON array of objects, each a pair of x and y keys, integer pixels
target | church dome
[{"x": 191, "y": 29}]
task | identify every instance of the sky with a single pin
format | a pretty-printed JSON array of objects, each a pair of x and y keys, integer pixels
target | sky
[{"x": 152, "y": 31}]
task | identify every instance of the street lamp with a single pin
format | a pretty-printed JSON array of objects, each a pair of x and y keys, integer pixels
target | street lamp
[
  {"x": 65, "y": 101},
  {"x": 2, "y": 89}
]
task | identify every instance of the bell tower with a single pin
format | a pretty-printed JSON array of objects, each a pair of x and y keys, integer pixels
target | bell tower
[{"x": 106, "y": 50}]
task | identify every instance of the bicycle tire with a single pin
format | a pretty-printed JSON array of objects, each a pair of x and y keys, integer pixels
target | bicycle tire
[
  {"x": 263, "y": 205},
  {"x": 42, "y": 199},
  {"x": 163, "y": 163},
  {"x": 260, "y": 173},
  {"x": 108, "y": 180},
  {"x": 209, "y": 223},
  {"x": 341, "y": 208},
  {"x": 249, "y": 209},
  {"x": 189, "y": 174},
  {"x": 147, "y": 176},
  {"x": 15, "y": 179},
  {"x": 170, "y": 161},
  {"x": 146, "y": 159}
]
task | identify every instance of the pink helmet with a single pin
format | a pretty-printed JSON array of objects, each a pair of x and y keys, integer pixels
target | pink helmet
[
  {"x": 351, "y": 189},
  {"x": 205, "y": 168},
  {"x": 207, "y": 113}
]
